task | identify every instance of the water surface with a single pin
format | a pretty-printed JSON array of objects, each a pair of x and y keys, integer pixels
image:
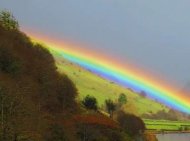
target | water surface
[{"x": 174, "y": 137}]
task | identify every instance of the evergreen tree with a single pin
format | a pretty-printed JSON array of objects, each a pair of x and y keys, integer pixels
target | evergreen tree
[{"x": 90, "y": 102}]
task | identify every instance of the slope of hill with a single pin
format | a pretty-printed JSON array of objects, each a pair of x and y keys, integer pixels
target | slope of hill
[
  {"x": 37, "y": 103},
  {"x": 89, "y": 83}
]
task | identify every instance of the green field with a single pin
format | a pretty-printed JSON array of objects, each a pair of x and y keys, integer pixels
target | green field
[
  {"x": 89, "y": 83},
  {"x": 161, "y": 125}
]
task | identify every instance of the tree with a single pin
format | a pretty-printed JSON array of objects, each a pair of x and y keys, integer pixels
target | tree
[
  {"x": 132, "y": 124},
  {"x": 90, "y": 103},
  {"x": 8, "y": 21},
  {"x": 143, "y": 94},
  {"x": 110, "y": 106},
  {"x": 122, "y": 99}
]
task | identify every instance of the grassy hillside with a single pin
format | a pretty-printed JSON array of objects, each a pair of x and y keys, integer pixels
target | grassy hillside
[{"x": 89, "y": 83}]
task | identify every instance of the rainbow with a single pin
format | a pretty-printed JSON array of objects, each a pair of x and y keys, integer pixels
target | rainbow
[{"x": 121, "y": 74}]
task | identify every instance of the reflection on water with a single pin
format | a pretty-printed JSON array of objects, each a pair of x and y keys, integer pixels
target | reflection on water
[{"x": 173, "y": 137}]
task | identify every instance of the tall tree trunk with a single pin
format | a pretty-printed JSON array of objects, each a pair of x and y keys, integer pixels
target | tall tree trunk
[
  {"x": 2, "y": 114},
  {"x": 15, "y": 137}
]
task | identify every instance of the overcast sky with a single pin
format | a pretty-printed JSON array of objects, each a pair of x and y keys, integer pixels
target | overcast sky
[{"x": 154, "y": 34}]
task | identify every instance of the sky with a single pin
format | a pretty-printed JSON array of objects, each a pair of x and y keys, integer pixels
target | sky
[{"x": 152, "y": 34}]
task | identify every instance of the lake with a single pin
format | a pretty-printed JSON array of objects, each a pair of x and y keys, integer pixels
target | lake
[{"x": 174, "y": 137}]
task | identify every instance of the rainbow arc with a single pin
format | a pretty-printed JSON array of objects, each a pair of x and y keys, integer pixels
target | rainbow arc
[{"x": 125, "y": 76}]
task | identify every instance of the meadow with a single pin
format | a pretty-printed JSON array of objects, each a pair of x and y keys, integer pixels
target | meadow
[{"x": 166, "y": 125}]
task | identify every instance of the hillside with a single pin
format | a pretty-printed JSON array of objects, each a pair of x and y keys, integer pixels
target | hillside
[
  {"x": 37, "y": 103},
  {"x": 89, "y": 83}
]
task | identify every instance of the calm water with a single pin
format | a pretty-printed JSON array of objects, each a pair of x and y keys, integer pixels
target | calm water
[{"x": 173, "y": 137}]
